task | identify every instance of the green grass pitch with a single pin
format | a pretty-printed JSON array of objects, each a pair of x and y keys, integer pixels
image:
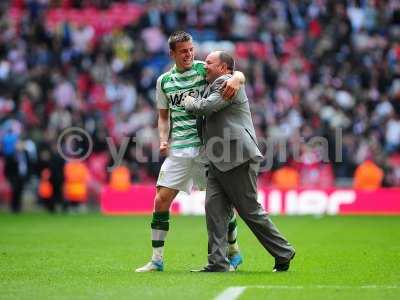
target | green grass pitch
[{"x": 93, "y": 257}]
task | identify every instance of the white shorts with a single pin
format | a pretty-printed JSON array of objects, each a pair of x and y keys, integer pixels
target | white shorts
[{"x": 182, "y": 173}]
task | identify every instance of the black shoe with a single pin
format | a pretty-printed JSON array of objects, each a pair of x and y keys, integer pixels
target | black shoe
[{"x": 283, "y": 267}]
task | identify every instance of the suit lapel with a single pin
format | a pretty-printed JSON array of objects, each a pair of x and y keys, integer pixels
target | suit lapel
[
  {"x": 207, "y": 91},
  {"x": 201, "y": 120}
]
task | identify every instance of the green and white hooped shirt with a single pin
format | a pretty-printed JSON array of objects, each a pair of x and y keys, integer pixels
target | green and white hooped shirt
[{"x": 172, "y": 88}]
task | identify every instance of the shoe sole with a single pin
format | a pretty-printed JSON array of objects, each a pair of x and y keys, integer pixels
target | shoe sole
[{"x": 146, "y": 271}]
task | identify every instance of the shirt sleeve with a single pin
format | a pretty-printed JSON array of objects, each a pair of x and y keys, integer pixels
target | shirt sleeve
[
  {"x": 207, "y": 106},
  {"x": 161, "y": 99}
]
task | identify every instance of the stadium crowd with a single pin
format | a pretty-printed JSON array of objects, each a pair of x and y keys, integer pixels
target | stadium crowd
[{"x": 313, "y": 69}]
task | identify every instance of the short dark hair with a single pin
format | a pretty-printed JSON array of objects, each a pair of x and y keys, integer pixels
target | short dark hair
[
  {"x": 178, "y": 37},
  {"x": 226, "y": 58}
]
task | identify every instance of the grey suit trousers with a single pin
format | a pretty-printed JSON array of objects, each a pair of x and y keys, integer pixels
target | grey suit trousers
[{"x": 238, "y": 188}]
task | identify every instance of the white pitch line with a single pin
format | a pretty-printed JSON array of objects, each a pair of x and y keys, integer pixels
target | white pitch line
[
  {"x": 323, "y": 287},
  {"x": 231, "y": 293},
  {"x": 380, "y": 287},
  {"x": 234, "y": 292}
]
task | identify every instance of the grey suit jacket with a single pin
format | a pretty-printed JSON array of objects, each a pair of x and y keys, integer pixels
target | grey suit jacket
[{"x": 228, "y": 133}]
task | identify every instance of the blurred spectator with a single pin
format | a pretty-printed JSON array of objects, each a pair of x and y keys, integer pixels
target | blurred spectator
[
  {"x": 393, "y": 135},
  {"x": 51, "y": 170},
  {"x": 17, "y": 171},
  {"x": 314, "y": 172},
  {"x": 17, "y": 164}
]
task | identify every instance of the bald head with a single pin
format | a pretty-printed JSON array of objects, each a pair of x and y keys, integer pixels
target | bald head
[{"x": 218, "y": 63}]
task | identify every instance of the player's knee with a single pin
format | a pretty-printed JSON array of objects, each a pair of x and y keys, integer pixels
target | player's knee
[
  {"x": 159, "y": 199},
  {"x": 162, "y": 202}
]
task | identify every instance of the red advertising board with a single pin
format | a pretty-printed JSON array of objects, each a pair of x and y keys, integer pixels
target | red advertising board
[
  {"x": 139, "y": 200},
  {"x": 333, "y": 202}
]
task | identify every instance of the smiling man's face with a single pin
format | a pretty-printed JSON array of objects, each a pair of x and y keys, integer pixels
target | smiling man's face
[
  {"x": 213, "y": 67},
  {"x": 183, "y": 55}
]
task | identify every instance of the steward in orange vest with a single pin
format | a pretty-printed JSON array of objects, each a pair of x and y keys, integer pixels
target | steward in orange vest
[
  {"x": 120, "y": 179},
  {"x": 286, "y": 178},
  {"x": 368, "y": 176},
  {"x": 76, "y": 177},
  {"x": 45, "y": 188}
]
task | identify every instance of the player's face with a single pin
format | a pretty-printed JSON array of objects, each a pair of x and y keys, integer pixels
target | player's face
[
  {"x": 183, "y": 55},
  {"x": 213, "y": 67}
]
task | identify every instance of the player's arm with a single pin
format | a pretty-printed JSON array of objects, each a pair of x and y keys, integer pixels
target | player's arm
[
  {"x": 232, "y": 85},
  {"x": 163, "y": 130},
  {"x": 206, "y": 106},
  {"x": 163, "y": 118}
]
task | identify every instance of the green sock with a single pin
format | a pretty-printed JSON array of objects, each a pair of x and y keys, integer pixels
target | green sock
[
  {"x": 232, "y": 231},
  {"x": 233, "y": 246},
  {"x": 159, "y": 230}
]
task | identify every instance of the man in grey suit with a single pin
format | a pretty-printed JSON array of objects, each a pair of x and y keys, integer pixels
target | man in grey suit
[{"x": 232, "y": 150}]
